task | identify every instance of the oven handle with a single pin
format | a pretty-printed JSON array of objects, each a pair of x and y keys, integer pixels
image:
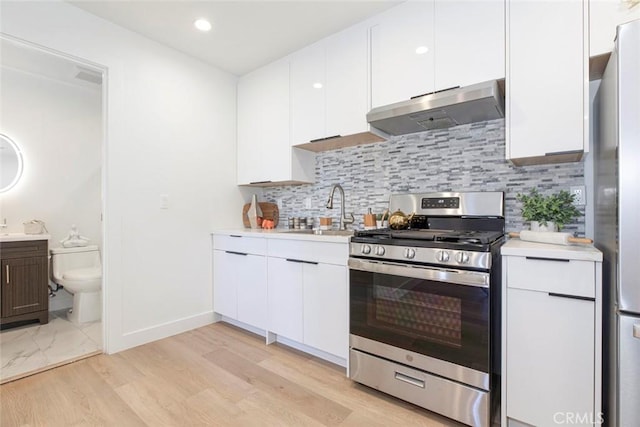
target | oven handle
[{"x": 459, "y": 277}]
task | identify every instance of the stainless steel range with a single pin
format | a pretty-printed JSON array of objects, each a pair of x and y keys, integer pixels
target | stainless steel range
[{"x": 425, "y": 304}]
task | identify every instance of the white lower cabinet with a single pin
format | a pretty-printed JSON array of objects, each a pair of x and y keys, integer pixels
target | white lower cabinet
[
  {"x": 252, "y": 291},
  {"x": 551, "y": 334},
  {"x": 225, "y": 295},
  {"x": 295, "y": 289},
  {"x": 308, "y": 295},
  {"x": 550, "y": 350},
  {"x": 326, "y": 313},
  {"x": 285, "y": 298},
  {"x": 240, "y": 279}
]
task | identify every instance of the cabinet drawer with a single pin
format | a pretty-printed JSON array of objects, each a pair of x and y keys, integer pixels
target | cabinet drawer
[
  {"x": 237, "y": 243},
  {"x": 326, "y": 253},
  {"x": 26, "y": 249},
  {"x": 570, "y": 277}
]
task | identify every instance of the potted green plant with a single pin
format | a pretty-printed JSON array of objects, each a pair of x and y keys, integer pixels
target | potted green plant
[{"x": 548, "y": 213}]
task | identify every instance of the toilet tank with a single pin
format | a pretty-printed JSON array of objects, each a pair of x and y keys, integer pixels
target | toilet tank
[{"x": 65, "y": 259}]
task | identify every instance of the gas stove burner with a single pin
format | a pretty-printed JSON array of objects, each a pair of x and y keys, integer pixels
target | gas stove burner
[
  {"x": 428, "y": 235},
  {"x": 472, "y": 237},
  {"x": 420, "y": 234}
]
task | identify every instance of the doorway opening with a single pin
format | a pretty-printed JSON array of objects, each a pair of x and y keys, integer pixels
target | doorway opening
[{"x": 53, "y": 107}]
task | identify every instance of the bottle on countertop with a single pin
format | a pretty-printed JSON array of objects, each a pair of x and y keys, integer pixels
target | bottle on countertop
[{"x": 254, "y": 213}]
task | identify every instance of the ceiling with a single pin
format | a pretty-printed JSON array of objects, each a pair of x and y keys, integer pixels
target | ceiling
[{"x": 246, "y": 34}]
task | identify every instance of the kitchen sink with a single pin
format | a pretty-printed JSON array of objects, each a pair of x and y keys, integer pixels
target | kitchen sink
[{"x": 323, "y": 232}]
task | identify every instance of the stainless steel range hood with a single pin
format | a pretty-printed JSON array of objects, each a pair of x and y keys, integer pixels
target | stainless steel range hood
[{"x": 439, "y": 110}]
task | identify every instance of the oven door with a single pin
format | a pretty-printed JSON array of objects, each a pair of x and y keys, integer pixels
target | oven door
[{"x": 439, "y": 313}]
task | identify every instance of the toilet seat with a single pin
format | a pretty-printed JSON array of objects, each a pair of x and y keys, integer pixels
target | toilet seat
[{"x": 83, "y": 274}]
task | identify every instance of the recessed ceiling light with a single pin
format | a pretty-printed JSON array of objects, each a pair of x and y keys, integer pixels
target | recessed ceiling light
[
  {"x": 317, "y": 85},
  {"x": 202, "y": 24},
  {"x": 422, "y": 49}
]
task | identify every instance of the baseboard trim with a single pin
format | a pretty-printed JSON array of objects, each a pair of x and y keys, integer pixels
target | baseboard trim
[
  {"x": 271, "y": 337},
  {"x": 164, "y": 330}
]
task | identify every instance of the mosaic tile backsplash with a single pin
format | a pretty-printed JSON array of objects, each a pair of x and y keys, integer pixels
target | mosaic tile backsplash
[{"x": 463, "y": 158}]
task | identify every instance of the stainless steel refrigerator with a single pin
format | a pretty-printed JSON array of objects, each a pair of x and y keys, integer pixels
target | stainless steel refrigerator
[{"x": 617, "y": 225}]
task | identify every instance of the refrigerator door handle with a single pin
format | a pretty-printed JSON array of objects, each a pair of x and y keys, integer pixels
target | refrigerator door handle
[{"x": 636, "y": 331}]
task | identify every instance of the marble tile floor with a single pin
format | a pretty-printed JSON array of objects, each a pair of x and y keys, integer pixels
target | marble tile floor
[{"x": 28, "y": 349}]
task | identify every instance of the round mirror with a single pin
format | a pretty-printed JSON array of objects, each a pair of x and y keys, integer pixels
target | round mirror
[{"x": 10, "y": 163}]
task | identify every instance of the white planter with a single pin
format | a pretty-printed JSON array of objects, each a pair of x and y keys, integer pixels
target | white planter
[{"x": 550, "y": 226}]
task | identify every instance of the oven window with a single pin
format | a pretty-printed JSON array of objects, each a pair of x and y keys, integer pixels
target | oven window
[
  {"x": 438, "y": 319},
  {"x": 421, "y": 315}
]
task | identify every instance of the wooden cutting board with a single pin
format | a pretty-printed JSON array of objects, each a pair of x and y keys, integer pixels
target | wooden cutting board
[{"x": 269, "y": 211}]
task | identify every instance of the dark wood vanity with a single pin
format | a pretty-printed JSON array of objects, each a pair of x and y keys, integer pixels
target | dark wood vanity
[{"x": 24, "y": 292}]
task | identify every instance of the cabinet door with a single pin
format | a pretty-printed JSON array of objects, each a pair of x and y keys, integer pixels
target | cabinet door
[
  {"x": 347, "y": 95},
  {"x": 252, "y": 291},
  {"x": 398, "y": 72},
  {"x": 264, "y": 152},
  {"x": 308, "y": 86},
  {"x": 225, "y": 283},
  {"x": 326, "y": 313},
  {"x": 546, "y": 78},
  {"x": 550, "y": 356},
  {"x": 249, "y": 149},
  {"x": 24, "y": 286},
  {"x": 285, "y": 298},
  {"x": 469, "y": 42},
  {"x": 275, "y": 150}
]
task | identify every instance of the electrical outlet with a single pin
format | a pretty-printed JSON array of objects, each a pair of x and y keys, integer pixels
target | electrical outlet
[
  {"x": 579, "y": 193},
  {"x": 307, "y": 203},
  {"x": 279, "y": 203}
]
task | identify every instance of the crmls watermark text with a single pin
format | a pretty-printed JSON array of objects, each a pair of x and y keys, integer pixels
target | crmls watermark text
[{"x": 569, "y": 418}]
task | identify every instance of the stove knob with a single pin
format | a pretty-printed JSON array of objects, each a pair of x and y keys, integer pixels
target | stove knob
[
  {"x": 462, "y": 258},
  {"x": 442, "y": 256},
  {"x": 379, "y": 250},
  {"x": 409, "y": 253},
  {"x": 365, "y": 249}
]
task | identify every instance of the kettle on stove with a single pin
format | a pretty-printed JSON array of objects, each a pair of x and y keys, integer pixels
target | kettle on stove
[{"x": 399, "y": 220}]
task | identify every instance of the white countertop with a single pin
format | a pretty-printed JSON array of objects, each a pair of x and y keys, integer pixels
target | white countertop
[
  {"x": 286, "y": 234},
  {"x": 580, "y": 252},
  {"x": 22, "y": 237}
]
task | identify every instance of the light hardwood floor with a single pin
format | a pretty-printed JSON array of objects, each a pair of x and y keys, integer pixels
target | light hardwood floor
[{"x": 217, "y": 375}]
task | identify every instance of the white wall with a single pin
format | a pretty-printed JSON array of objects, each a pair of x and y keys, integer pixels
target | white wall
[
  {"x": 58, "y": 127},
  {"x": 170, "y": 130}
]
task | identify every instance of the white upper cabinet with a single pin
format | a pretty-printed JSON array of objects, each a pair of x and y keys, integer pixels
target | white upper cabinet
[
  {"x": 249, "y": 132},
  {"x": 469, "y": 42},
  {"x": 329, "y": 87},
  {"x": 546, "y": 81},
  {"x": 604, "y": 16},
  {"x": 347, "y": 77},
  {"x": 264, "y": 144},
  {"x": 422, "y": 46},
  {"x": 308, "y": 94},
  {"x": 402, "y": 53}
]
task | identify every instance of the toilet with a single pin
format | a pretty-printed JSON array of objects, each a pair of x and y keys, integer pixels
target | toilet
[{"x": 79, "y": 271}]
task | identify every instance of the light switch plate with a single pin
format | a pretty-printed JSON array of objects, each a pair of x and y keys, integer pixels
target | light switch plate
[{"x": 164, "y": 201}]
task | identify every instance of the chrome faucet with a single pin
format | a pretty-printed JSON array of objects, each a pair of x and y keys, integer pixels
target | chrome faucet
[{"x": 343, "y": 216}]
